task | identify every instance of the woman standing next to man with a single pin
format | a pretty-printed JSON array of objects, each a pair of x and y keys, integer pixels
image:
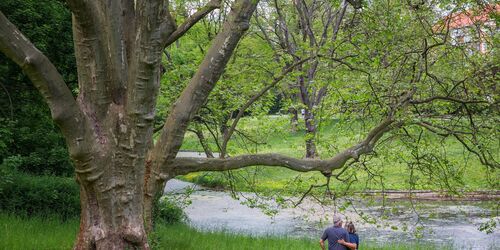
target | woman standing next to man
[{"x": 353, "y": 237}]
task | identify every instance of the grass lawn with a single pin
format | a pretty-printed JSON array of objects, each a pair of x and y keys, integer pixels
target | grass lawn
[
  {"x": 390, "y": 168},
  {"x": 36, "y": 232},
  {"x": 50, "y": 233}
]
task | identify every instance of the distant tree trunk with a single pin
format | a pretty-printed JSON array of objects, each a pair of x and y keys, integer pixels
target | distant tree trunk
[
  {"x": 310, "y": 123},
  {"x": 294, "y": 119},
  {"x": 223, "y": 127},
  {"x": 203, "y": 141},
  {"x": 306, "y": 16}
]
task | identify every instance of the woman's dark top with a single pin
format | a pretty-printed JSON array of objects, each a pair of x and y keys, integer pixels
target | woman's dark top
[{"x": 353, "y": 238}]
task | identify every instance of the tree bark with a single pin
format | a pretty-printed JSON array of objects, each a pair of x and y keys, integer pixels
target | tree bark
[
  {"x": 186, "y": 164},
  {"x": 310, "y": 123},
  {"x": 111, "y": 216},
  {"x": 203, "y": 141},
  {"x": 294, "y": 119},
  {"x": 108, "y": 128}
]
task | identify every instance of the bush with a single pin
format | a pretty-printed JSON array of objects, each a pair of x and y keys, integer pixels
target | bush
[
  {"x": 169, "y": 212},
  {"x": 28, "y": 195},
  {"x": 37, "y": 149},
  {"x": 7, "y": 170}
]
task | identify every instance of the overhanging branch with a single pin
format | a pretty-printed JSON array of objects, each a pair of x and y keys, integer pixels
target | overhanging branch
[{"x": 186, "y": 165}]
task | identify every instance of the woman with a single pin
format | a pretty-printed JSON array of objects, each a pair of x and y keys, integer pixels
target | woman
[{"x": 353, "y": 237}]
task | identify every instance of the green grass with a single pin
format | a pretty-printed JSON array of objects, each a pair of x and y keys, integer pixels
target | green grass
[
  {"x": 36, "y": 232},
  {"x": 461, "y": 170},
  {"x": 49, "y": 233},
  {"x": 180, "y": 237}
]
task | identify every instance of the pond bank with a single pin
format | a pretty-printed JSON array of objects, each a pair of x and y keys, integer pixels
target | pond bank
[{"x": 430, "y": 195}]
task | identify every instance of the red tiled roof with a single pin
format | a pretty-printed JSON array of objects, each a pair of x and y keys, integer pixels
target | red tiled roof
[{"x": 467, "y": 18}]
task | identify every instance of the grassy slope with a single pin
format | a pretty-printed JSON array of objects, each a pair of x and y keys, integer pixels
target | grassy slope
[
  {"x": 464, "y": 171},
  {"x": 37, "y": 233}
]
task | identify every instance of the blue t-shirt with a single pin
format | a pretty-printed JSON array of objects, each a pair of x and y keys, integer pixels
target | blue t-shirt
[
  {"x": 333, "y": 234},
  {"x": 353, "y": 238}
]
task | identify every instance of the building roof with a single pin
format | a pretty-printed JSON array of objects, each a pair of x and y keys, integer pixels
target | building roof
[{"x": 468, "y": 18}]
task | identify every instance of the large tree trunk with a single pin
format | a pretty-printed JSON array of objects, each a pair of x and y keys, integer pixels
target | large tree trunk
[
  {"x": 111, "y": 216},
  {"x": 108, "y": 128}
]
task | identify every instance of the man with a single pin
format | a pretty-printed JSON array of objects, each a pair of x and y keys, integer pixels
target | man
[{"x": 334, "y": 234}]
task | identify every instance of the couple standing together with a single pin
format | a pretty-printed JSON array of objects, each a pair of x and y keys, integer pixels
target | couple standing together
[{"x": 338, "y": 237}]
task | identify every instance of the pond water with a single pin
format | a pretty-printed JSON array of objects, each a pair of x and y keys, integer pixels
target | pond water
[{"x": 441, "y": 222}]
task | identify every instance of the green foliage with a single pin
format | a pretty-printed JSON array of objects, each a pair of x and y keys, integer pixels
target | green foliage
[
  {"x": 209, "y": 179},
  {"x": 169, "y": 211},
  {"x": 7, "y": 171},
  {"x": 250, "y": 69},
  {"x": 381, "y": 49},
  {"x": 26, "y": 129},
  {"x": 489, "y": 226},
  {"x": 27, "y": 195}
]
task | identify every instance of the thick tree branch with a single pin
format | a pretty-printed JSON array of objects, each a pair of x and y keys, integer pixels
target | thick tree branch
[
  {"x": 84, "y": 11},
  {"x": 192, "y": 20},
  {"x": 64, "y": 109},
  {"x": 186, "y": 165},
  {"x": 193, "y": 97}
]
